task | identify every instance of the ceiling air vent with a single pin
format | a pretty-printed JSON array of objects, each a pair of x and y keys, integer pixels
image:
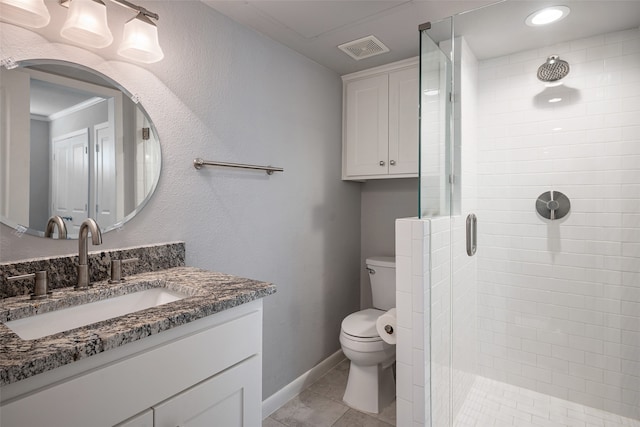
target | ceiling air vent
[{"x": 364, "y": 48}]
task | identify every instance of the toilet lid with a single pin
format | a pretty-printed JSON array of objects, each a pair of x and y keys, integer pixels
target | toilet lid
[{"x": 362, "y": 323}]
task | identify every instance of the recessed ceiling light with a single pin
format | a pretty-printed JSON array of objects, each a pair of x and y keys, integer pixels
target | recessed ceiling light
[
  {"x": 547, "y": 16},
  {"x": 554, "y": 84}
]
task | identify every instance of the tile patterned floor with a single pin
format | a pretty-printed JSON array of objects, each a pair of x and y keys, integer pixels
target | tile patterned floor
[
  {"x": 489, "y": 404},
  {"x": 494, "y": 404},
  {"x": 320, "y": 405}
]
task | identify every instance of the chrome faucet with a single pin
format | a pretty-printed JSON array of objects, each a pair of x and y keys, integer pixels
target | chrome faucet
[
  {"x": 51, "y": 224},
  {"x": 88, "y": 225}
]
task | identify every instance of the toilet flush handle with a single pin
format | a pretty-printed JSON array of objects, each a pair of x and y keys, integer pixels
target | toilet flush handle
[{"x": 371, "y": 270}]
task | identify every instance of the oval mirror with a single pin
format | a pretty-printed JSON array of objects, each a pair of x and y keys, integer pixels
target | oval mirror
[{"x": 73, "y": 143}]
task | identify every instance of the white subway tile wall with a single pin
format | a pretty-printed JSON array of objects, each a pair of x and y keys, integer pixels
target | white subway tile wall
[
  {"x": 412, "y": 352},
  {"x": 559, "y": 302},
  {"x": 440, "y": 318}
]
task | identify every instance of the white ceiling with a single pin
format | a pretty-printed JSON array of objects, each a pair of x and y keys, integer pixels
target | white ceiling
[
  {"x": 315, "y": 28},
  {"x": 49, "y": 98}
]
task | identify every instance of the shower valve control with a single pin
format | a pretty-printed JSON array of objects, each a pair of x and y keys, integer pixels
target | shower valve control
[{"x": 553, "y": 205}]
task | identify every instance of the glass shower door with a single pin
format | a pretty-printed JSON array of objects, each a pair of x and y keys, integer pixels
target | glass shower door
[
  {"x": 435, "y": 108},
  {"x": 549, "y": 307},
  {"x": 435, "y": 192}
]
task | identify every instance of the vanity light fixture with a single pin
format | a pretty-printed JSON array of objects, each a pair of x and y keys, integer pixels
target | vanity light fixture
[
  {"x": 86, "y": 24},
  {"x": 140, "y": 34},
  {"x": 547, "y": 15},
  {"x": 28, "y": 13}
]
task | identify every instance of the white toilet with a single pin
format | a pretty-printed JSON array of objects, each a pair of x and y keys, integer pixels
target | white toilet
[{"x": 371, "y": 386}]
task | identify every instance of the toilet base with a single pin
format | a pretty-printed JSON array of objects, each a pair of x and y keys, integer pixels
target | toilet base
[{"x": 370, "y": 388}]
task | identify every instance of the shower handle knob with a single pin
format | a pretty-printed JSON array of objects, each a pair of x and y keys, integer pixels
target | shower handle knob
[
  {"x": 382, "y": 163},
  {"x": 553, "y": 205},
  {"x": 392, "y": 162}
]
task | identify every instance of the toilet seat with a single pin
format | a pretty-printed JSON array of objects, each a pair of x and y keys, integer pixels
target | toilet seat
[{"x": 361, "y": 325}]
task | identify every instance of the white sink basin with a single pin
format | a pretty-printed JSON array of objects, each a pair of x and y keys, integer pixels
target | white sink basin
[{"x": 65, "y": 319}]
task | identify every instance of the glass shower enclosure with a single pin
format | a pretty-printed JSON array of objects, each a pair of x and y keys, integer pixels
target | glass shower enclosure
[{"x": 541, "y": 326}]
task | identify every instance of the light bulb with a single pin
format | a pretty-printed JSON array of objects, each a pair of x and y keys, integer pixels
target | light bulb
[
  {"x": 28, "y": 13},
  {"x": 86, "y": 24}
]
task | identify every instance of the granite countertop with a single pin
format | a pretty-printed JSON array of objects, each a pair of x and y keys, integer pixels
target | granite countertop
[{"x": 208, "y": 293}]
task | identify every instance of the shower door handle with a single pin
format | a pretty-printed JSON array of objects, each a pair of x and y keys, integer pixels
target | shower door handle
[{"x": 472, "y": 234}]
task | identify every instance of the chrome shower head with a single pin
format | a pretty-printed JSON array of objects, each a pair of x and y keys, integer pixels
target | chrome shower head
[{"x": 553, "y": 70}]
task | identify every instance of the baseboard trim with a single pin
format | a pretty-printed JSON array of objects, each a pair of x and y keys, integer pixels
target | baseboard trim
[{"x": 291, "y": 390}]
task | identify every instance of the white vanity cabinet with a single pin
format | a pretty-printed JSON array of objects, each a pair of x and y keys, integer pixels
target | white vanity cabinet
[
  {"x": 219, "y": 401},
  {"x": 380, "y": 122},
  {"x": 207, "y": 372}
]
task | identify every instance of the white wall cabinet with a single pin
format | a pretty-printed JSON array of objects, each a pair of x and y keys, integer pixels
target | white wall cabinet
[
  {"x": 380, "y": 122},
  {"x": 144, "y": 419},
  {"x": 208, "y": 372}
]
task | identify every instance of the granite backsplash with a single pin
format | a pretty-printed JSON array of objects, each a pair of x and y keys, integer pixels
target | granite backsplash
[{"x": 62, "y": 270}]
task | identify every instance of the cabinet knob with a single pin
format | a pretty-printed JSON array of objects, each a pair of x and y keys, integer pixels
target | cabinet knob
[
  {"x": 381, "y": 162},
  {"x": 392, "y": 162}
]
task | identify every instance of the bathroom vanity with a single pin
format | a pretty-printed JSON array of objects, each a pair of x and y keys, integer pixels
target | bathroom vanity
[{"x": 181, "y": 363}]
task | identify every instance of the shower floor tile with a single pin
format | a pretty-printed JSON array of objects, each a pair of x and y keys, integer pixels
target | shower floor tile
[{"x": 494, "y": 404}]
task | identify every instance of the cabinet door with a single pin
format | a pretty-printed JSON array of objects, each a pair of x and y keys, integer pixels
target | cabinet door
[
  {"x": 403, "y": 121},
  {"x": 229, "y": 399},
  {"x": 144, "y": 419},
  {"x": 366, "y": 126}
]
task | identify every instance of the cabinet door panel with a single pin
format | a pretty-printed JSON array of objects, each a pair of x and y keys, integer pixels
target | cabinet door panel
[
  {"x": 367, "y": 126},
  {"x": 229, "y": 399},
  {"x": 144, "y": 419},
  {"x": 403, "y": 121}
]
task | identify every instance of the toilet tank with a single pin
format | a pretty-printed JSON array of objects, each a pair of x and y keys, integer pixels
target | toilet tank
[{"x": 382, "y": 276}]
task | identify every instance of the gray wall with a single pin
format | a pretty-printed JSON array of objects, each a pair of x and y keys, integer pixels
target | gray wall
[
  {"x": 383, "y": 201},
  {"x": 39, "y": 175},
  {"x": 86, "y": 118},
  {"x": 230, "y": 94}
]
